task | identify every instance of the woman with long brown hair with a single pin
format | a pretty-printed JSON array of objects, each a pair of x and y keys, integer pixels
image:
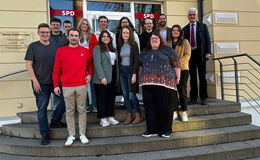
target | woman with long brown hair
[
  {"x": 105, "y": 78},
  {"x": 128, "y": 71},
  {"x": 183, "y": 51},
  {"x": 125, "y": 21}
]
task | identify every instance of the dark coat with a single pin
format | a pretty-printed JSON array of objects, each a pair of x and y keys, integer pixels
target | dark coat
[
  {"x": 134, "y": 65},
  {"x": 62, "y": 40},
  {"x": 202, "y": 39},
  {"x": 144, "y": 39}
]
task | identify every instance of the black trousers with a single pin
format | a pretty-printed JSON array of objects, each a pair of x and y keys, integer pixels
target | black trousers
[
  {"x": 182, "y": 91},
  {"x": 197, "y": 64},
  {"x": 105, "y": 97},
  {"x": 158, "y": 104}
]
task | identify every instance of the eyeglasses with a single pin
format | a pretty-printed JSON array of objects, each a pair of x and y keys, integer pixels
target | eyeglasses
[
  {"x": 44, "y": 32},
  {"x": 155, "y": 38},
  {"x": 192, "y": 14}
]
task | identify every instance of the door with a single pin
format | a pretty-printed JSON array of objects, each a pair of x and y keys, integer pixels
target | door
[{"x": 113, "y": 19}]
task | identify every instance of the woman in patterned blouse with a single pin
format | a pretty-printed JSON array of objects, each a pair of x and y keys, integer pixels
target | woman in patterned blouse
[{"x": 159, "y": 75}]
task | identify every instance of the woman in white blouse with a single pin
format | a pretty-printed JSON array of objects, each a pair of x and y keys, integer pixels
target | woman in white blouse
[{"x": 105, "y": 78}]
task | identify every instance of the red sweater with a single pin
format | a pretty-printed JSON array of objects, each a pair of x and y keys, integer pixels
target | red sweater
[
  {"x": 92, "y": 42},
  {"x": 71, "y": 66}
]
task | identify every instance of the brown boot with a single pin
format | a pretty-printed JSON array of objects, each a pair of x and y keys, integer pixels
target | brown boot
[
  {"x": 138, "y": 118},
  {"x": 128, "y": 119}
]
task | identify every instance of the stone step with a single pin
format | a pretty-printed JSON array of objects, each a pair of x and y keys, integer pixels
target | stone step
[
  {"x": 214, "y": 107},
  {"x": 225, "y": 151},
  {"x": 129, "y": 144},
  {"x": 95, "y": 130}
]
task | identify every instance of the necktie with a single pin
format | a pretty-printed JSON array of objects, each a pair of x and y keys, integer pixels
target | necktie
[{"x": 192, "y": 40}]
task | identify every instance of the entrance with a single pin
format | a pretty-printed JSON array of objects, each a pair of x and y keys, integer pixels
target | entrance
[
  {"x": 74, "y": 10},
  {"x": 114, "y": 11}
]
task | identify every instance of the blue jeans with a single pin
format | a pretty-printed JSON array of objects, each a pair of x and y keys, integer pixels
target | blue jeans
[
  {"x": 42, "y": 102},
  {"x": 125, "y": 80}
]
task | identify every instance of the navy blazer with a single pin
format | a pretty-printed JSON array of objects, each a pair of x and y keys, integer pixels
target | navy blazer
[{"x": 202, "y": 38}]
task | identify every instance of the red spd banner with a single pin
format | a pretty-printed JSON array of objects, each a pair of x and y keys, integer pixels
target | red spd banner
[
  {"x": 147, "y": 15},
  {"x": 67, "y": 13}
]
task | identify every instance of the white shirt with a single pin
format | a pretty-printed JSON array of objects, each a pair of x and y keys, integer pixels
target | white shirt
[
  {"x": 84, "y": 44},
  {"x": 163, "y": 34},
  {"x": 112, "y": 57},
  {"x": 195, "y": 34}
]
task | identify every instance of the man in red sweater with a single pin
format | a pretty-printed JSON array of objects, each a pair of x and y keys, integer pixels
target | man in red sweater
[{"x": 73, "y": 67}]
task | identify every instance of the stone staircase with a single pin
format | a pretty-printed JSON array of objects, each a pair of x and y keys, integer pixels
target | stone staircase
[{"x": 215, "y": 131}]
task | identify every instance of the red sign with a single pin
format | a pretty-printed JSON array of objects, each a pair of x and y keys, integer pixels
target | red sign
[
  {"x": 147, "y": 15},
  {"x": 68, "y": 13}
]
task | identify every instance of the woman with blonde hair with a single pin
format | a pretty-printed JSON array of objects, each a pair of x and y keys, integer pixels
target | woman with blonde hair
[{"x": 88, "y": 40}]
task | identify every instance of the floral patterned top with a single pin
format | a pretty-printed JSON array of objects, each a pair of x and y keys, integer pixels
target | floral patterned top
[{"x": 158, "y": 67}]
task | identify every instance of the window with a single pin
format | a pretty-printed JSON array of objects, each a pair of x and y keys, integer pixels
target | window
[
  {"x": 108, "y": 6},
  {"x": 148, "y": 10},
  {"x": 66, "y": 10}
]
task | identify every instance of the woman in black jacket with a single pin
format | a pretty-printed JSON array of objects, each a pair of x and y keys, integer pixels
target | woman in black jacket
[{"x": 128, "y": 61}]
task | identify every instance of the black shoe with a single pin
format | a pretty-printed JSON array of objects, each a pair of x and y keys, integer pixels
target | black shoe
[
  {"x": 166, "y": 135},
  {"x": 45, "y": 140},
  {"x": 204, "y": 102},
  {"x": 58, "y": 125},
  {"x": 89, "y": 109},
  {"x": 192, "y": 101},
  {"x": 147, "y": 134}
]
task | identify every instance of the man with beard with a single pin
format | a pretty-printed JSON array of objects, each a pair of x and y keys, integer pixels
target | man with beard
[
  {"x": 73, "y": 67},
  {"x": 145, "y": 36},
  {"x": 165, "y": 32}
]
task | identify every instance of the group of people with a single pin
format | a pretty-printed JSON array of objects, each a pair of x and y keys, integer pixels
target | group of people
[{"x": 79, "y": 63}]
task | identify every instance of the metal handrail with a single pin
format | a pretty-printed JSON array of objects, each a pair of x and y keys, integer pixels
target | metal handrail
[
  {"x": 239, "y": 55},
  {"x": 236, "y": 76},
  {"x": 12, "y": 73}
]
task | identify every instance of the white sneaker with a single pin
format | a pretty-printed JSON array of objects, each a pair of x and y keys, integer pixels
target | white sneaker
[
  {"x": 84, "y": 139},
  {"x": 104, "y": 122},
  {"x": 184, "y": 117},
  {"x": 70, "y": 140},
  {"x": 175, "y": 115},
  {"x": 112, "y": 121}
]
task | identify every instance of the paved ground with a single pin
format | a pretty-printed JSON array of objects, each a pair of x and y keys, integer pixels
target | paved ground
[
  {"x": 245, "y": 108},
  {"x": 253, "y": 112}
]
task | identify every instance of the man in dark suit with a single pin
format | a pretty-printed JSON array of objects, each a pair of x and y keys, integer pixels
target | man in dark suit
[{"x": 198, "y": 35}]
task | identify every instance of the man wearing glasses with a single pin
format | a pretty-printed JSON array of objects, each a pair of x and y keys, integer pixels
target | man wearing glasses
[
  {"x": 144, "y": 37},
  {"x": 39, "y": 64},
  {"x": 103, "y": 23}
]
